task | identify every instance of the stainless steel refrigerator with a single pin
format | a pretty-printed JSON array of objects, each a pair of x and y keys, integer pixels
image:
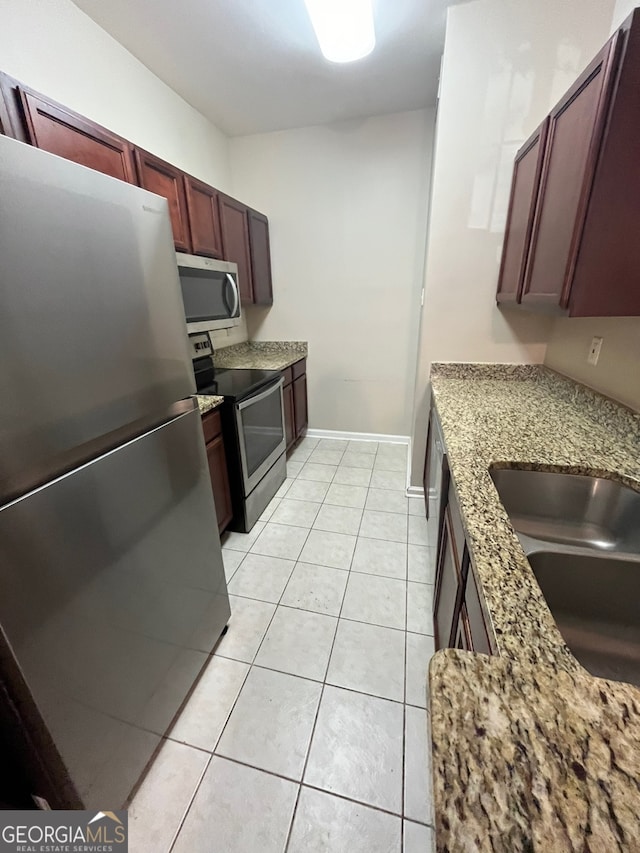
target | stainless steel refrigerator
[{"x": 112, "y": 589}]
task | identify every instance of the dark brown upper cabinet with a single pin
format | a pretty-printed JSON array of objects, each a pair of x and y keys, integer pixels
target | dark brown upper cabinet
[
  {"x": 575, "y": 133},
  {"x": 581, "y": 254},
  {"x": 260, "y": 258},
  {"x": 204, "y": 221},
  {"x": 204, "y": 218},
  {"x": 235, "y": 242},
  {"x": 11, "y": 111},
  {"x": 607, "y": 267},
  {"x": 5, "y": 101},
  {"x": 164, "y": 179},
  {"x": 524, "y": 192},
  {"x": 61, "y": 131}
]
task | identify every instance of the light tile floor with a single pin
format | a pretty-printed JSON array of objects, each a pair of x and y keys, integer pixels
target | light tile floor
[{"x": 307, "y": 733}]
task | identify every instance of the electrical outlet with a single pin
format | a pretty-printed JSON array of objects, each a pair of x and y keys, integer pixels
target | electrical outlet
[{"x": 594, "y": 351}]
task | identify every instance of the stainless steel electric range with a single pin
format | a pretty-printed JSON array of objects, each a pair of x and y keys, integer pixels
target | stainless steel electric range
[{"x": 253, "y": 428}]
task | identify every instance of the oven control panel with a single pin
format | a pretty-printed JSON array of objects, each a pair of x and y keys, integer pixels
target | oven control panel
[{"x": 200, "y": 345}]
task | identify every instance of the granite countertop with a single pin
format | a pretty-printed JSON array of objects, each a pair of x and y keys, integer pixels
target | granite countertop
[
  {"x": 208, "y": 402},
  {"x": 530, "y": 752},
  {"x": 263, "y": 355}
]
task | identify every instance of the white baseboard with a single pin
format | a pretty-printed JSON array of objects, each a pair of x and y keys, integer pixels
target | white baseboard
[
  {"x": 415, "y": 492},
  {"x": 411, "y": 491},
  {"x": 358, "y": 436}
]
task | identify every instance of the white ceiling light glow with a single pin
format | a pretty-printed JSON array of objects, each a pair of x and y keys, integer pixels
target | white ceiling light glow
[{"x": 344, "y": 28}]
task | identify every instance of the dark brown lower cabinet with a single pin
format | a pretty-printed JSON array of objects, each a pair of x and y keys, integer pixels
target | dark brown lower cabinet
[
  {"x": 212, "y": 427},
  {"x": 462, "y": 637},
  {"x": 296, "y": 410},
  {"x": 289, "y": 415},
  {"x": 458, "y": 617},
  {"x": 447, "y": 587},
  {"x": 300, "y": 404}
]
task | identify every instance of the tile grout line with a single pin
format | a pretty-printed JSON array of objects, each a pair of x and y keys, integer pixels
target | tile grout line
[
  {"x": 174, "y": 838},
  {"x": 313, "y": 730},
  {"x": 252, "y": 664},
  {"x": 317, "y": 788},
  {"x": 404, "y": 706},
  {"x": 213, "y": 752},
  {"x": 317, "y": 713}
]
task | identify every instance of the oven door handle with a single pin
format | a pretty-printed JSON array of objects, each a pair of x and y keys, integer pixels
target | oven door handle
[
  {"x": 257, "y": 397},
  {"x": 233, "y": 312}
]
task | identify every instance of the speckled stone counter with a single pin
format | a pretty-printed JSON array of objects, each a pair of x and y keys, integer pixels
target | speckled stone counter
[
  {"x": 531, "y": 752},
  {"x": 208, "y": 402},
  {"x": 263, "y": 355}
]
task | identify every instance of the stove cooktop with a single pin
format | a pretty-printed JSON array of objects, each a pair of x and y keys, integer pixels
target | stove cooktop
[{"x": 236, "y": 384}]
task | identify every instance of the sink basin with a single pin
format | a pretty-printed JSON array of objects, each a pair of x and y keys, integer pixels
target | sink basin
[
  {"x": 594, "y": 599},
  {"x": 572, "y": 509}
]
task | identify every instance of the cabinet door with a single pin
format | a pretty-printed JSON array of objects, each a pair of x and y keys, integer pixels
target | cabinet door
[
  {"x": 447, "y": 590},
  {"x": 260, "y": 258},
  {"x": 289, "y": 417},
  {"x": 575, "y": 132},
  {"x": 204, "y": 218},
  {"x": 12, "y": 115},
  {"x": 300, "y": 404},
  {"x": 235, "y": 242},
  {"x": 524, "y": 193},
  {"x": 462, "y": 636},
  {"x": 7, "y": 102},
  {"x": 220, "y": 482},
  {"x": 60, "y": 131},
  {"x": 475, "y": 618},
  {"x": 429, "y": 460},
  {"x": 164, "y": 179}
]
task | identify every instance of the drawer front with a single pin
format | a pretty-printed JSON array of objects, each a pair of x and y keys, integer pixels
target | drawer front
[
  {"x": 287, "y": 375},
  {"x": 211, "y": 426},
  {"x": 299, "y": 368}
]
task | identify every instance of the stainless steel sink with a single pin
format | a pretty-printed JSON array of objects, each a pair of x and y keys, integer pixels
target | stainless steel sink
[
  {"x": 595, "y": 601},
  {"x": 571, "y": 509},
  {"x": 581, "y": 536}
]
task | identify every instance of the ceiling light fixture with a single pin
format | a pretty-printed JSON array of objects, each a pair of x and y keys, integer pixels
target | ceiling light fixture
[{"x": 344, "y": 28}]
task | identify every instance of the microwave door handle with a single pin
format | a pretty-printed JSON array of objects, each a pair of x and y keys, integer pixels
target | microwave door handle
[{"x": 236, "y": 296}]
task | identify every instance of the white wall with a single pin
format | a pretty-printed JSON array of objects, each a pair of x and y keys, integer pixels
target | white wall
[
  {"x": 505, "y": 65},
  {"x": 347, "y": 211},
  {"x": 55, "y": 48},
  {"x": 617, "y": 373},
  {"x": 622, "y": 9}
]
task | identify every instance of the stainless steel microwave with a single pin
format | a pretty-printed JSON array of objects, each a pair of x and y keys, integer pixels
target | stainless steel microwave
[{"x": 209, "y": 292}]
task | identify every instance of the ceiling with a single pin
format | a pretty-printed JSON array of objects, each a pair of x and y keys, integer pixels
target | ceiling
[{"x": 254, "y": 65}]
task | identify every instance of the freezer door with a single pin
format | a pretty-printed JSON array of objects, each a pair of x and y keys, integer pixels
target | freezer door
[
  {"x": 92, "y": 328},
  {"x": 112, "y": 594}
]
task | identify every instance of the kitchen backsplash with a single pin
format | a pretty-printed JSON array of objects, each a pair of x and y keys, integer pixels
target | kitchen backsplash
[
  {"x": 617, "y": 373},
  {"x": 226, "y": 337}
]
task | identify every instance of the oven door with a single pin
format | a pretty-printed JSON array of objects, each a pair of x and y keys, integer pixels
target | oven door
[{"x": 261, "y": 436}]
